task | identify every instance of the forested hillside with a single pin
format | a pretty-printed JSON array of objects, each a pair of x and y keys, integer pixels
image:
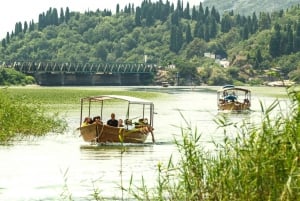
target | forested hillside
[{"x": 259, "y": 47}]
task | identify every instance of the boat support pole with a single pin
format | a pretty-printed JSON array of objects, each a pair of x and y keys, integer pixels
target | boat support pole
[{"x": 153, "y": 140}]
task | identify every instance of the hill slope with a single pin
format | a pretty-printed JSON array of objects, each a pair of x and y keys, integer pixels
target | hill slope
[
  {"x": 247, "y": 7},
  {"x": 167, "y": 35}
]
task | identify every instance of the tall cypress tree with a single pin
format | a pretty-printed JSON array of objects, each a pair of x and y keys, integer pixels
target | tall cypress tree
[
  {"x": 7, "y": 38},
  {"x": 213, "y": 28},
  {"x": 175, "y": 18},
  {"x": 254, "y": 23},
  {"x": 226, "y": 23},
  {"x": 67, "y": 15},
  {"x": 173, "y": 39},
  {"x": 3, "y": 43},
  {"x": 186, "y": 12},
  {"x": 195, "y": 14},
  {"x": 62, "y": 16},
  {"x": 297, "y": 38},
  {"x": 199, "y": 30},
  {"x": 206, "y": 32},
  {"x": 25, "y": 27},
  {"x": 179, "y": 39},
  {"x": 245, "y": 32},
  {"x": 290, "y": 40},
  {"x": 188, "y": 34},
  {"x": 258, "y": 59},
  {"x": 138, "y": 17},
  {"x": 275, "y": 41}
]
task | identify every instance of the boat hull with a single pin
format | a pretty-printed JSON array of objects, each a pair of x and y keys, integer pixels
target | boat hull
[
  {"x": 105, "y": 133},
  {"x": 234, "y": 106}
]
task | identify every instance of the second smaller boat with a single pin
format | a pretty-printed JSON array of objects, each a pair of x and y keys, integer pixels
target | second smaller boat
[{"x": 231, "y": 98}]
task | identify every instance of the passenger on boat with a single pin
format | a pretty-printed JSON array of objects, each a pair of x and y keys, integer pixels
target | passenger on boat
[
  {"x": 120, "y": 123},
  {"x": 231, "y": 98},
  {"x": 87, "y": 121},
  {"x": 113, "y": 121},
  {"x": 97, "y": 120}
]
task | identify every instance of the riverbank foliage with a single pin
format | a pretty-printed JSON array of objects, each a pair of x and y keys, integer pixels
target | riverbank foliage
[
  {"x": 192, "y": 41},
  {"x": 261, "y": 162},
  {"x": 9, "y": 77},
  {"x": 23, "y": 118}
]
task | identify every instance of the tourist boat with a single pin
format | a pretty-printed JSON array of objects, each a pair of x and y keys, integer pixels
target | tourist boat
[
  {"x": 231, "y": 98},
  {"x": 138, "y": 119},
  {"x": 165, "y": 84}
]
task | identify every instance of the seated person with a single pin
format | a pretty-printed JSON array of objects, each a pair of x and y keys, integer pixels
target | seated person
[
  {"x": 97, "y": 120},
  {"x": 86, "y": 122},
  {"x": 113, "y": 121},
  {"x": 120, "y": 123}
]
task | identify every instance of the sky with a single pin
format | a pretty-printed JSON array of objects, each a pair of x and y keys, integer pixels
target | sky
[{"x": 14, "y": 11}]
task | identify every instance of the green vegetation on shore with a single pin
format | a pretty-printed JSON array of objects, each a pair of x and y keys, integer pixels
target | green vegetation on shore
[
  {"x": 23, "y": 118},
  {"x": 10, "y": 77}
]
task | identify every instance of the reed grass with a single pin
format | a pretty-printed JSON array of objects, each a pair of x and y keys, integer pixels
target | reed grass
[
  {"x": 261, "y": 163},
  {"x": 22, "y": 118}
]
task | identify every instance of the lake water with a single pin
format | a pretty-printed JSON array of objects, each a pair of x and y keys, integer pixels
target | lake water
[{"x": 58, "y": 166}]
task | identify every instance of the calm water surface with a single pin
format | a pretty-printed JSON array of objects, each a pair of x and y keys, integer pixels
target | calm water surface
[{"x": 58, "y": 166}]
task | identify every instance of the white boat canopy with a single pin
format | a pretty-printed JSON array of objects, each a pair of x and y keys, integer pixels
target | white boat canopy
[{"x": 132, "y": 100}]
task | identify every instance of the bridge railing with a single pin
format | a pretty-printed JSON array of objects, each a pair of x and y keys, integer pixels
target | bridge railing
[{"x": 56, "y": 67}]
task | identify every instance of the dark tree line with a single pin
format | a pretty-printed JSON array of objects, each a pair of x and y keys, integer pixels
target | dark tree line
[
  {"x": 208, "y": 22},
  {"x": 45, "y": 19},
  {"x": 285, "y": 40}
]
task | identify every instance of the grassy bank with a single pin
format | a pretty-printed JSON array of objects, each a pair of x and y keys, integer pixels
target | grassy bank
[{"x": 72, "y": 95}]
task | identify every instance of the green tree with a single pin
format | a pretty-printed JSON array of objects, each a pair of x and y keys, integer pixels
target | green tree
[
  {"x": 67, "y": 15},
  {"x": 264, "y": 21},
  {"x": 297, "y": 38},
  {"x": 101, "y": 51},
  {"x": 226, "y": 23},
  {"x": 199, "y": 30},
  {"x": 188, "y": 34},
  {"x": 196, "y": 48},
  {"x": 4, "y": 43},
  {"x": 62, "y": 16},
  {"x": 186, "y": 12},
  {"x": 258, "y": 59},
  {"x": 275, "y": 41},
  {"x": 138, "y": 16},
  {"x": 290, "y": 40}
]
